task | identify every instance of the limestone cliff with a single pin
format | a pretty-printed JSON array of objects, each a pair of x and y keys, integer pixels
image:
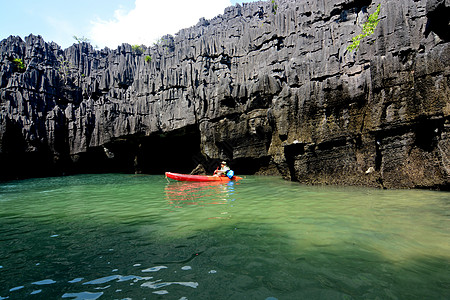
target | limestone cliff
[{"x": 273, "y": 91}]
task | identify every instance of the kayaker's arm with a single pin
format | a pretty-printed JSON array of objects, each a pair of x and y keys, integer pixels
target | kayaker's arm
[{"x": 223, "y": 169}]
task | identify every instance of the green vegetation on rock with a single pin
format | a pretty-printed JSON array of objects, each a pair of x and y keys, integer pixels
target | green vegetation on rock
[
  {"x": 274, "y": 7},
  {"x": 368, "y": 29},
  {"x": 137, "y": 49},
  {"x": 81, "y": 39},
  {"x": 20, "y": 65}
]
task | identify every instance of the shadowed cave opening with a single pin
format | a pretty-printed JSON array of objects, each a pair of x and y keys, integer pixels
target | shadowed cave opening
[
  {"x": 174, "y": 152},
  {"x": 17, "y": 161},
  {"x": 439, "y": 22},
  {"x": 22, "y": 165},
  {"x": 155, "y": 154}
]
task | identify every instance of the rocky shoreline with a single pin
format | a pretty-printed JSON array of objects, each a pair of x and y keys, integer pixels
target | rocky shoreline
[{"x": 272, "y": 93}]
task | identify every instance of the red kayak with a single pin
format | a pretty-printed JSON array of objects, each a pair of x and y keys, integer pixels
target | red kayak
[{"x": 186, "y": 177}]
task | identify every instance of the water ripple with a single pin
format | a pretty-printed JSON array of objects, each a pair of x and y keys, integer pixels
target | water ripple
[
  {"x": 44, "y": 282},
  {"x": 154, "y": 269},
  {"x": 16, "y": 288},
  {"x": 158, "y": 284},
  {"x": 119, "y": 278},
  {"x": 83, "y": 295}
]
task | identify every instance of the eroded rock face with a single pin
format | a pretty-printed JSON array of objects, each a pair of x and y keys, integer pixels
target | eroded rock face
[{"x": 273, "y": 92}]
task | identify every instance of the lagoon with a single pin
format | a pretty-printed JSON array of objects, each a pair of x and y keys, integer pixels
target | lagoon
[{"x": 121, "y": 236}]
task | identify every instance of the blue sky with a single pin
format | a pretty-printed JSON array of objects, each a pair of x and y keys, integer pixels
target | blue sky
[{"x": 104, "y": 22}]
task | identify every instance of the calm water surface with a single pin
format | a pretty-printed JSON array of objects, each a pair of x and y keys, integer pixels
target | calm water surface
[{"x": 121, "y": 236}]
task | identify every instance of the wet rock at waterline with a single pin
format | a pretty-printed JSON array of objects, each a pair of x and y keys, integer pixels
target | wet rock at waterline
[{"x": 272, "y": 93}]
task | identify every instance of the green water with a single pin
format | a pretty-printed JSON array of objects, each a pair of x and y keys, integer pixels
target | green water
[{"x": 121, "y": 236}]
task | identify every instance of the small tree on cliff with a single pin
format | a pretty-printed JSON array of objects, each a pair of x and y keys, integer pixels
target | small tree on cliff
[
  {"x": 81, "y": 39},
  {"x": 19, "y": 64},
  {"x": 274, "y": 7},
  {"x": 64, "y": 68},
  {"x": 137, "y": 49},
  {"x": 368, "y": 29}
]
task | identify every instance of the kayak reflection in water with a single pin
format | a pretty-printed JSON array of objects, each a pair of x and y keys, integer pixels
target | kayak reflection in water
[
  {"x": 184, "y": 194},
  {"x": 223, "y": 171}
]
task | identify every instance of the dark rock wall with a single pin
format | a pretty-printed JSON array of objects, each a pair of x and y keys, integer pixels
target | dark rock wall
[{"x": 273, "y": 92}]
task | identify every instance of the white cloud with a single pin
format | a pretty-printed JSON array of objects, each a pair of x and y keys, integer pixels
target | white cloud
[{"x": 152, "y": 19}]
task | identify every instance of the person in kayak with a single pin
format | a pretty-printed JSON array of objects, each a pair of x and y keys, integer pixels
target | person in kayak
[{"x": 223, "y": 169}]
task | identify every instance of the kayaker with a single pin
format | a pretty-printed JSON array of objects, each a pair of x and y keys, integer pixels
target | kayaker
[{"x": 223, "y": 169}]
